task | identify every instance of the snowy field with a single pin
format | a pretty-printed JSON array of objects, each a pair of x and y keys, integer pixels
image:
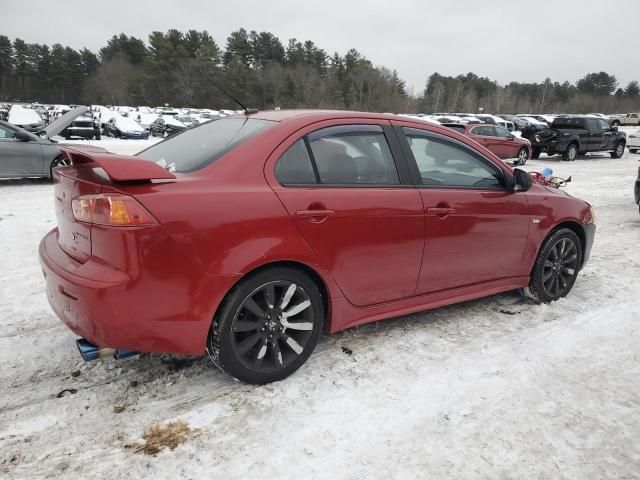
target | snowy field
[{"x": 497, "y": 388}]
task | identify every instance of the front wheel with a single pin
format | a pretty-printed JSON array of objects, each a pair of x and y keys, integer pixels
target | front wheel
[
  {"x": 556, "y": 267},
  {"x": 267, "y": 326},
  {"x": 59, "y": 161},
  {"x": 618, "y": 151},
  {"x": 523, "y": 156}
]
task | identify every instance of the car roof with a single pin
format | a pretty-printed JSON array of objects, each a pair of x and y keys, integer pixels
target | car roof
[{"x": 319, "y": 115}]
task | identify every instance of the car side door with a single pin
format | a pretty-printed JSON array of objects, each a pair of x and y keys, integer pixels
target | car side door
[
  {"x": 476, "y": 227},
  {"x": 352, "y": 200},
  {"x": 505, "y": 146},
  {"x": 482, "y": 135},
  {"x": 607, "y": 141},
  {"x": 19, "y": 157},
  {"x": 596, "y": 135}
]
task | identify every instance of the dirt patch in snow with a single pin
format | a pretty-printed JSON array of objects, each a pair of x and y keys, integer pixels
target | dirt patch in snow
[{"x": 158, "y": 437}]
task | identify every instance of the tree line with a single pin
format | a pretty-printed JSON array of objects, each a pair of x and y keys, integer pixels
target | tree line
[{"x": 262, "y": 71}]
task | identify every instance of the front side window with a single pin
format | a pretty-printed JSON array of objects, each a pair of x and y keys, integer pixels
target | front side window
[
  {"x": 353, "y": 155},
  {"x": 604, "y": 125},
  {"x": 502, "y": 132},
  {"x": 446, "y": 164}
]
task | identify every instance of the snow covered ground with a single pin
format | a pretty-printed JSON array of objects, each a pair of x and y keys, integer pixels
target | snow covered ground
[{"x": 494, "y": 388}]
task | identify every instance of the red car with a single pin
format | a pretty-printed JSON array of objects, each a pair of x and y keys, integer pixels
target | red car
[
  {"x": 500, "y": 141},
  {"x": 249, "y": 236}
]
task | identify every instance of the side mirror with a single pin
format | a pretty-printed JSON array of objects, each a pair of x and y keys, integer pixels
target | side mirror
[
  {"x": 521, "y": 180},
  {"x": 22, "y": 136}
]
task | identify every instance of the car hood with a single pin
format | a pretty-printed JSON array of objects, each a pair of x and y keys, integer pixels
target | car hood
[{"x": 57, "y": 126}]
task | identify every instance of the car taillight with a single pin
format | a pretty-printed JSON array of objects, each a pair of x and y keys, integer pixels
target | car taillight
[{"x": 113, "y": 209}]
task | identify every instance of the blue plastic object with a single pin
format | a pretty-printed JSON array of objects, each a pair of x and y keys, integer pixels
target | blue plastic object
[
  {"x": 89, "y": 351},
  {"x": 547, "y": 172}
]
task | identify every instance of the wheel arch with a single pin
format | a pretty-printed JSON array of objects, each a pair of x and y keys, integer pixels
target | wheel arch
[
  {"x": 574, "y": 226},
  {"x": 311, "y": 272}
]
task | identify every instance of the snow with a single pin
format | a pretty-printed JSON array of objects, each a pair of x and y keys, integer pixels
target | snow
[
  {"x": 171, "y": 120},
  {"x": 127, "y": 124},
  {"x": 494, "y": 388},
  {"x": 19, "y": 115}
]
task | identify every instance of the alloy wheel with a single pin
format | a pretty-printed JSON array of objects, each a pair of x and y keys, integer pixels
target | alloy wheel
[
  {"x": 272, "y": 326},
  {"x": 522, "y": 156},
  {"x": 560, "y": 267},
  {"x": 619, "y": 150}
]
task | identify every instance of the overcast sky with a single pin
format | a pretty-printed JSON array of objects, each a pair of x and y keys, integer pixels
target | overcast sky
[{"x": 504, "y": 40}]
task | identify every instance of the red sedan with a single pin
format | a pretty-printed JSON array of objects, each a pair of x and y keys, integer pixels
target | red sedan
[
  {"x": 249, "y": 236},
  {"x": 500, "y": 141}
]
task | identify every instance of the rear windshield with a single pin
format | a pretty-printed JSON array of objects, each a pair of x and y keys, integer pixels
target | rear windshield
[
  {"x": 568, "y": 122},
  {"x": 197, "y": 147}
]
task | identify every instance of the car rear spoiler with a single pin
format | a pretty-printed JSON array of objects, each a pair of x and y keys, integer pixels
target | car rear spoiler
[{"x": 119, "y": 168}]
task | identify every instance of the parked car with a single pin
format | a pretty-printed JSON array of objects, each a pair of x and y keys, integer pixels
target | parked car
[
  {"x": 510, "y": 126},
  {"x": 146, "y": 119},
  {"x": 85, "y": 126},
  {"x": 26, "y": 118},
  {"x": 519, "y": 122},
  {"x": 126, "y": 127},
  {"x": 24, "y": 154},
  {"x": 579, "y": 134},
  {"x": 249, "y": 236},
  {"x": 633, "y": 142},
  {"x": 188, "y": 120},
  {"x": 165, "y": 126},
  {"x": 501, "y": 142},
  {"x": 626, "y": 119},
  {"x": 4, "y": 113}
]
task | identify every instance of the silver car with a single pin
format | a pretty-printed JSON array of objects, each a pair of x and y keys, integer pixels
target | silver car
[{"x": 26, "y": 154}]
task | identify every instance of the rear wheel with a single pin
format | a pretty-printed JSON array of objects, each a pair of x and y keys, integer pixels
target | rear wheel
[
  {"x": 267, "y": 326},
  {"x": 570, "y": 153},
  {"x": 618, "y": 151},
  {"x": 556, "y": 267},
  {"x": 523, "y": 156}
]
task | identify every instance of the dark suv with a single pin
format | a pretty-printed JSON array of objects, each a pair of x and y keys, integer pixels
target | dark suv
[
  {"x": 577, "y": 134},
  {"x": 85, "y": 126}
]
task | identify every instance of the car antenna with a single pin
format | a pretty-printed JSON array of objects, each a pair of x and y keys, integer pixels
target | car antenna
[{"x": 247, "y": 111}]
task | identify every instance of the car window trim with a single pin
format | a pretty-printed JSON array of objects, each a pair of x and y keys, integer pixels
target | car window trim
[
  {"x": 417, "y": 177},
  {"x": 402, "y": 169}
]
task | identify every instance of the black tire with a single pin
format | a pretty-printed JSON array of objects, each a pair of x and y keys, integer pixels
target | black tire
[
  {"x": 618, "y": 150},
  {"x": 535, "y": 154},
  {"x": 570, "y": 154},
  {"x": 251, "y": 340},
  {"x": 523, "y": 156},
  {"x": 633, "y": 150},
  {"x": 615, "y": 123},
  {"x": 97, "y": 135},
  {"x": 59, "y": 160},
  {"x": 556, "y": 267}
]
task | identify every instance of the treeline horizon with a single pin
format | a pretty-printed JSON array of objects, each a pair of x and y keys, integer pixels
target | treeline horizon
[{"x": 263, "y": 72}]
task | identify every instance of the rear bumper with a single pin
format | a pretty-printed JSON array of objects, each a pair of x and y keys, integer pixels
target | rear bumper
[
  {"x": 589, "y": 234},
  {"x": 135, "y": 310}
]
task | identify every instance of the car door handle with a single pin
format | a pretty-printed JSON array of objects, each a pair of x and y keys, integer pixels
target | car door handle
[
  {"x": 440, "y": 211},
  {"x": 314, "y": 213}
]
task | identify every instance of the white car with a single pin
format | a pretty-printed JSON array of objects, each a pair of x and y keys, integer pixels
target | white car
[
  {"x": 633, "y": 141},
  {"x": 145, "y": 119},
  {"x": 26, "y": 118},
  {"x": 533, "y": 121}
]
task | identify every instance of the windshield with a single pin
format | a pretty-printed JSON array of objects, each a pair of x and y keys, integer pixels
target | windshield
[
  {"x": 198, "y": 147},
  {"x": 127, "y": 124}
]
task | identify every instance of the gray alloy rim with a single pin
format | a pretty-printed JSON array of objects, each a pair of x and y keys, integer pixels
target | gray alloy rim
[
  {"x": 272, "y": 326},
  {"x": 619, "y": 150},
  {"x": 560, "y": 267},
  {"x": 572, "y": 152},
  {"x": 522, "y": 156}
]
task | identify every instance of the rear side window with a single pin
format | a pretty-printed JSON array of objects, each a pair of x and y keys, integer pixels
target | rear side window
[
  {"x": 604, "y": 125},
  {"x": 198, "y": 147},
  {"x": 294, "y": 166},
  {"x": 447, "y": 164},
  {"x": 353, "y": 155}
]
